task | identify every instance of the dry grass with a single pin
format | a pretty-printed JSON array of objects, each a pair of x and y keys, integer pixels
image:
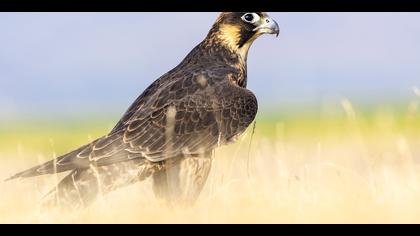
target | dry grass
[{"x": 350, "y": 169}]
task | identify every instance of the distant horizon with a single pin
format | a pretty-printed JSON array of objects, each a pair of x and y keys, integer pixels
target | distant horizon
[{"x": 81, "y": 63}]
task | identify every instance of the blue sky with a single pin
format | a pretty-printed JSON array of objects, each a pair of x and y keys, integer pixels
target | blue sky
[{"x": 100, "y": 62}]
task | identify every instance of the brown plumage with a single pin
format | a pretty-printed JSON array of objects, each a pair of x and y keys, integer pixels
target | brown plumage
[{"x": 171, "y": 129}]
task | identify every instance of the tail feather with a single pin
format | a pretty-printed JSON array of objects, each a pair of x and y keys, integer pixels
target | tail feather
[
  {"x": 51, "y": 167},
  {"x": 27, "y": 173},
  {"x": 46, "y": 168}
]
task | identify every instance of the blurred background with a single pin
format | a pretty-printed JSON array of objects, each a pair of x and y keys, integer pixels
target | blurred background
[
  {"x": 79, "y": 64},
  {"x": 338, "y": 130}
]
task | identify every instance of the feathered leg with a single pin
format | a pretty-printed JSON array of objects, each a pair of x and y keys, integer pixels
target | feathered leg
[{"x": 180, "y": 181}]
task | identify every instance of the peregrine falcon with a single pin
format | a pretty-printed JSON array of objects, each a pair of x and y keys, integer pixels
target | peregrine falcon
[{"x": 172, "y": 128}]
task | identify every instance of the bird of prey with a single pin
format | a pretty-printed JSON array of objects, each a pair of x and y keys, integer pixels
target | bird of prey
[{"x": 172, "y": 128}]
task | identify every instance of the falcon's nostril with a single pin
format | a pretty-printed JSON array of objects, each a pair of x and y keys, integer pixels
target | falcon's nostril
[{"x": 267, "y": 20}]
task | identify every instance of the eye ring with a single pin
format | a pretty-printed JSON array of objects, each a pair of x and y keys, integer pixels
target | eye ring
[{"x": 250, "y": 17}]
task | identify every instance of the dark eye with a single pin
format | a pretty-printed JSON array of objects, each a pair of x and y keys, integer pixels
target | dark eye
[{"x": 250, "y": 17}]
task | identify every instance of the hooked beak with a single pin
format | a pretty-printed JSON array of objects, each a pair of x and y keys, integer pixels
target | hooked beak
[{"x": 268, "y": 26}]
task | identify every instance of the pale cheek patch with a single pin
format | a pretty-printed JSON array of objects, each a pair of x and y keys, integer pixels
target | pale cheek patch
[{"x": 230, "y": 34}]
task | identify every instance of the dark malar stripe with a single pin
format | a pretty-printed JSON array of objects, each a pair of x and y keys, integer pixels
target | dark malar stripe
[{"x": 245, "y": 36}]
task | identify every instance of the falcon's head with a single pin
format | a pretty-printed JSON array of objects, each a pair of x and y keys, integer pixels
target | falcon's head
[{"x": 238, "y": 30}]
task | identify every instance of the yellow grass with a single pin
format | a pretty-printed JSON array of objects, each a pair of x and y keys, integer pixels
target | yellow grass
[{"x": 352, "y": 168}]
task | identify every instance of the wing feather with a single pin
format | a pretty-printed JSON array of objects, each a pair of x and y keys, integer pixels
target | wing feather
[{"x": 205, "y": 117}]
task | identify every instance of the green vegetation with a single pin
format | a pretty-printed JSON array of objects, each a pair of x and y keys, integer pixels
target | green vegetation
[{"x": 59, "y": 136}]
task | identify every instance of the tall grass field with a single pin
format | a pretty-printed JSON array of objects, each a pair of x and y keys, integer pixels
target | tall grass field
[{"x": 337, "y": 164}]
